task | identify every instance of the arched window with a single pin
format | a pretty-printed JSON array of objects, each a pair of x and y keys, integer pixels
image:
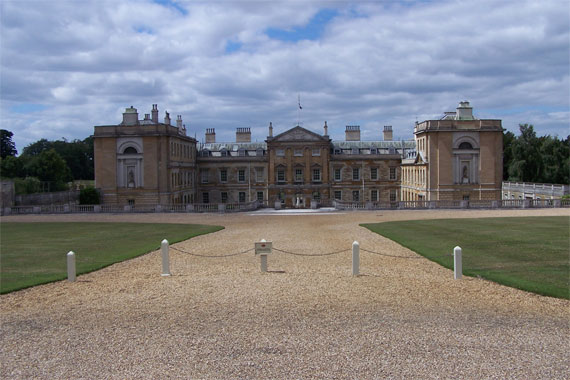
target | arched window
[
  {"x": 130, "y": 150},
  {"x": 465, "y": 145}
]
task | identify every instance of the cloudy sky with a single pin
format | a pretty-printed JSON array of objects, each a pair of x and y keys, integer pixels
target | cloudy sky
[{"x": 69, "y": 65}]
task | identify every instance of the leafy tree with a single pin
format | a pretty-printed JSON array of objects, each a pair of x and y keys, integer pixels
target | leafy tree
[
  {"x": 11, "y": 167},
  {"x": 50, "y": 167},
  {"x": 78, "y": 154},
  {"x": 7, "y": 146},
  {"x": 526, "y": 164}
]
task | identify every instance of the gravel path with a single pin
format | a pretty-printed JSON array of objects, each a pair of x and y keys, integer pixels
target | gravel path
[{"x": 307, "y": 318}]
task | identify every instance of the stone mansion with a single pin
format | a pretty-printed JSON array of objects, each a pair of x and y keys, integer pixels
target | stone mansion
[{"x": 147, "y": 162}]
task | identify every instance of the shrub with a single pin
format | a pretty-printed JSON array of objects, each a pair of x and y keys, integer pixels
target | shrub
[
  {"x": 89, "y": 196},
  {"x": 28, "y": 185}
]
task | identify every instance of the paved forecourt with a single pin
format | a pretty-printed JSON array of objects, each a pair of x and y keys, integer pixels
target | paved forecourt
[{"x": 306, "y": 318}]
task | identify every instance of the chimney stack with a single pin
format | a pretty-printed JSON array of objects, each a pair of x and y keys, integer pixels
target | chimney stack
[
  {"x": 270, "y": 129},
  {"x": 326, "y": 129},
  {"x": 155, "y": 113},
  {"x": 352, "y": 133},
  {"x": 210, "y": 135},
  {"x": 179, "y": 121},
  {"x": 388, "y": 133},
  {"x": 166, "y": 118},
  {"x": 243, "y": 135},
  {"x": 464, "y": 111},
  {"x": 130, "y": 116}
]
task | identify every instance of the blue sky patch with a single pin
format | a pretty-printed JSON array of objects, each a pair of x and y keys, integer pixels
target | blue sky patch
[
  {"x": 172, "y": 4},
  {"x": 28, "y": 108},
  {"x": 312, "y": 31},
  {"x": 233, "y": 46},
  {"x": 144, "y": 29}
]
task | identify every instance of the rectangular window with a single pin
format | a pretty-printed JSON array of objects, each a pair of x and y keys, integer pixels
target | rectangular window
[
  {"x": 392, "y": 195},
  {"x": 337, "y": 174},
  {"x": 338, "y": 195},
  {"x": 298, "y": 152},
  {"x": 355, "y": 174},
  {"x": 355, "y": 196},
  {"x": 392, "y": 173},
  {"x": 317, "y": 196},
  {"x": 374, "y": 195},
  {"x": 316, "y": 152},
  {"x": 241, "y": 175},
  {"x": 280, "y": 152},
  {"x": 204, "y": 176},
  {"x": 223, "y": 175},
  {"x": 298, "y": 175},
  {"x": 260, "y": 196},
  {"x": 316, "y": 175},
  {"x": 224, "y": 197},
  {"x": 374, "y": 174},
  {"x": 281, "y": 175},
  {"x": 466, "y": 197},
  {"x": 259, "y": 174},
  {"x": 131, "y": 202},
  {"x": 205, "y": 198},
  {"x": 241, "y": 196}
]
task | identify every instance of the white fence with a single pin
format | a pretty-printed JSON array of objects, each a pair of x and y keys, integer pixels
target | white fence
[{"x": 476, "y": 204}]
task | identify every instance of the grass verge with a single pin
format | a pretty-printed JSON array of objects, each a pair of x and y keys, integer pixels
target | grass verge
[
  {"x": 528, "y": 253},
  {"x": 35, "y": 253}
]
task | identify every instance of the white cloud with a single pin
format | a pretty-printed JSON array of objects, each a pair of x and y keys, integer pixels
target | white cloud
[{"x": 375, "y": 64}]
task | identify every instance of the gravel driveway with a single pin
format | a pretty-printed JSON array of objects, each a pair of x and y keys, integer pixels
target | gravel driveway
[{"x": 307, "y": 318}]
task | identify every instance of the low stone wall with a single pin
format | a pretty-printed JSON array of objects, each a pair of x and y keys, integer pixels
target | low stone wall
[{"x": 47, "y": 199}]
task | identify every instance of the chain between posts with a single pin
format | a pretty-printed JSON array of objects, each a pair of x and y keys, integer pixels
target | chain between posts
[
  {"x": 405, "y": 257},
  {"x": 310, "y": 255},
  {"x": 211, "y": 256}
]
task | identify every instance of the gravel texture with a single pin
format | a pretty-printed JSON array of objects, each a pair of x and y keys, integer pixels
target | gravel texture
[{"x": 306, "y": 318}]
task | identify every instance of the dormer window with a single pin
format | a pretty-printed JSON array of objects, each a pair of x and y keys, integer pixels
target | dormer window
[
  {"x": 259, "y": 152},
  {"x": 205, "y": 153},
  {"x": 373, "y": 150},
  {"x": 337, "y": 151},
  {"x": 241, "y": 152},
  {"x": 355, "y": 150},
  {"x": 224, "y": 152}
]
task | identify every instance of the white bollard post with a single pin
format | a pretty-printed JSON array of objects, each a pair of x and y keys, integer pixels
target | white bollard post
[
  {"x": 457, "y": 265},
  {"x": 165, "y": 258},
  {"x": 355, "y": 258},
  {"x": 71, "y": 266}
]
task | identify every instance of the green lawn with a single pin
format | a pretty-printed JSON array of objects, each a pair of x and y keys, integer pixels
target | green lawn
[
  {"x": 530, "y": 253},
  {"x": 35, "y": 253}
]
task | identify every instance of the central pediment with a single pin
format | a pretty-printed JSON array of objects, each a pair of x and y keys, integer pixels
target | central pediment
[{"x": 298, "y": 134}]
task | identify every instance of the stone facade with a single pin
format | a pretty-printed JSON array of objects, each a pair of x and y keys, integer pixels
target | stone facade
[
  {"x": 458, "y": 158},
  {"x": 147, "y": 162},
  {"x": 142, "y": 162}
]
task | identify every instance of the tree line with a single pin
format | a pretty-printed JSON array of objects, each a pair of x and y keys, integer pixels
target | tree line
[
  {"x": 46, "y": 165},
  {"x": 528, "y": 158}
]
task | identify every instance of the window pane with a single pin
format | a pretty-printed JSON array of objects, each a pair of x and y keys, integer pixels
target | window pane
[
  {"x": 373, "y": 174},
  {"x": 356, "y": 173}
]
